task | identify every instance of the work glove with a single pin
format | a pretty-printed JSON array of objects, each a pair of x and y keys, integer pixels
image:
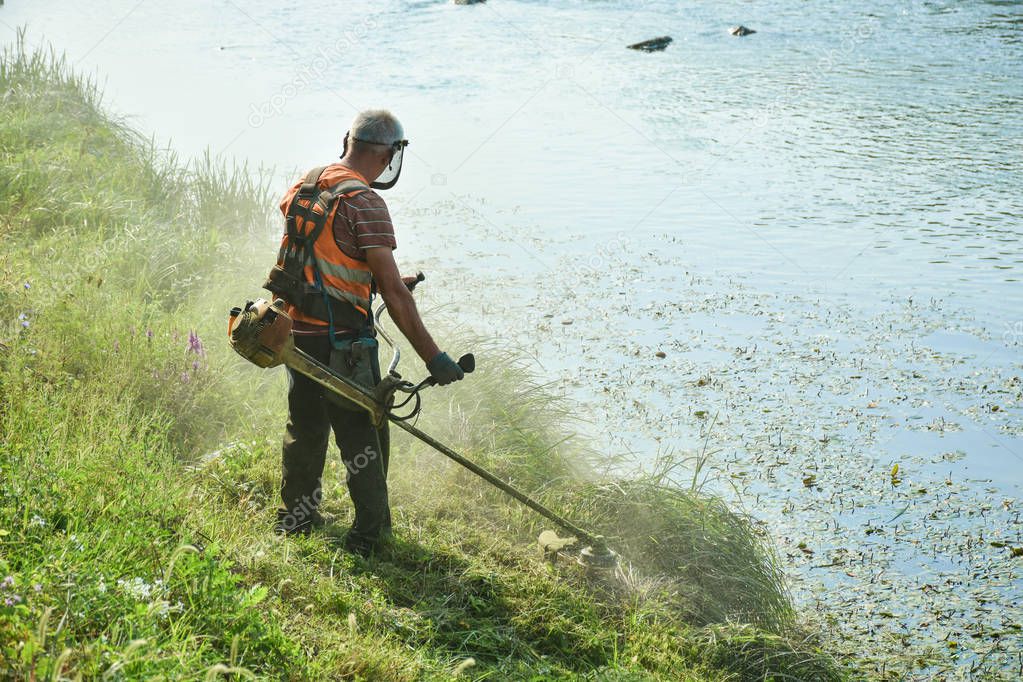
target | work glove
[{"x": 444, "y": 370}]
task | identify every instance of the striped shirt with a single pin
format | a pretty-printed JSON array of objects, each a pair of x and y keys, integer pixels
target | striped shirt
[{"x": 363, "y": 222}]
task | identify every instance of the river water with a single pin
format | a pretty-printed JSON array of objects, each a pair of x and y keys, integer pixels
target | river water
[{"x": 817, "y": 226}]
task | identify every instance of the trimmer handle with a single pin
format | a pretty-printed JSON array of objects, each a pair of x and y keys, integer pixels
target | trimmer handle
[
  {"x": 467, "y": 362},
  {"x": 411, "y": 282}
]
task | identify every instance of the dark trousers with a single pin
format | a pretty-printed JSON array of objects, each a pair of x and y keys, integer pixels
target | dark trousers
[{"x": 364, "y": 448}]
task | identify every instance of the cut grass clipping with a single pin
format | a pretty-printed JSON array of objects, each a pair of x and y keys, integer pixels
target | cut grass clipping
[{"x": 140, "y": 465}]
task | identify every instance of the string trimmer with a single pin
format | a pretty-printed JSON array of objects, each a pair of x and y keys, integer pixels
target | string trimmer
[{"x": 261, "y": 333}]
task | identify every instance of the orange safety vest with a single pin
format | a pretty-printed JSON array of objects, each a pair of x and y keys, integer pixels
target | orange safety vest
[{"x": 309, "y": 206}]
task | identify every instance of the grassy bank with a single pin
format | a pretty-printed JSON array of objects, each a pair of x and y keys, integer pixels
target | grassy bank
[{"x": 140, "y": 464}]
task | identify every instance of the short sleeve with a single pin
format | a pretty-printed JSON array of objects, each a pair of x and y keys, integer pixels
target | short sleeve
[{"x": 367, "y": 223}]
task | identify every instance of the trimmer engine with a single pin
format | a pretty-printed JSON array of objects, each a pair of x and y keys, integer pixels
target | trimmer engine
[{"x": 261, "y": 332}]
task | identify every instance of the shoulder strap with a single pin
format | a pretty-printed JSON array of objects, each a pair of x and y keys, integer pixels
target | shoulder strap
[
  {"x": 311, "y": 186},
  {"x": 311, "y": 182},
  {"x": 326, "y": 200},
  {"x": 348, "y": 186},
  {"x": 300, "y": 243}
]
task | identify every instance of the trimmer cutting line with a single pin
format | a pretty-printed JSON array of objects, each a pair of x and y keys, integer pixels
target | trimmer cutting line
[{"x": 261, "y": 333}]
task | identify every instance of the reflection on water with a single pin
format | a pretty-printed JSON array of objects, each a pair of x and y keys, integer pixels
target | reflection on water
[{"x": 843, "y": 140}]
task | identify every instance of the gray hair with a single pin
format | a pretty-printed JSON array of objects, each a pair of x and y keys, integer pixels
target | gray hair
[{"x": 377, "y": 126}]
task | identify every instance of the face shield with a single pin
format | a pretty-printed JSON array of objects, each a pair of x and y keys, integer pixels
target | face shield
[{"x": 388, "y": 178}]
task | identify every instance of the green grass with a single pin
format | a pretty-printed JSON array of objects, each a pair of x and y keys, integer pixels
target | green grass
[{"x": 139, "y": 477}]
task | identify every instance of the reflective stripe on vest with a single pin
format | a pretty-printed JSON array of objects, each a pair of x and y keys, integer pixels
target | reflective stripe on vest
[
  {"x": 362, "y": 303},
  {"x": 344, "y": 278},
  {"x": 338, "y": 271}
]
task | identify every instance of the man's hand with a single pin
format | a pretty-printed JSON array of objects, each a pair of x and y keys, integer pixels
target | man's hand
[{"x": 444, "y": 370}]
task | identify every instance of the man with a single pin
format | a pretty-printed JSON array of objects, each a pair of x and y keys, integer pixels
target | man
[{"x": 347, "y": 259}]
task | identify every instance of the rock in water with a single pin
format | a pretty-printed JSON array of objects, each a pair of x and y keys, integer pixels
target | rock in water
[
  {"x": 468, "y": 2},
  {"x": 740, "y": 31},
  {"x": 652, "y": 45}
]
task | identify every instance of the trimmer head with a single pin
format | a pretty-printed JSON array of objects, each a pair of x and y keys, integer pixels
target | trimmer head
[
  {"x": 598, "y": 557},
  {"x": 593, "y": 557}
]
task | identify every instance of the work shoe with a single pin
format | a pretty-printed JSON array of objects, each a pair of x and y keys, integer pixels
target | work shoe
[
  {"x": 288, "y": 522},
  {"x": 363, "y": 546}
]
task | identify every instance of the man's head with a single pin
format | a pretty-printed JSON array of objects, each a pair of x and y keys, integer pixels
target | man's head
[{"x": 374, "y": 146}]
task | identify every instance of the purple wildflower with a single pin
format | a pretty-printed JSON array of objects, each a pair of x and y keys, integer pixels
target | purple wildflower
[
  {"x": 7, "y": 582},
  {"x": 37, "y": 587},
  {"x": 149, "y": 333},
  {"x": 28, "y": 285},
  {"x": 195, "y": 344},
  {"x": 12, "y": 600},
  {"x": 185, "y": 378},
  {"x": 195, "y": 365}
]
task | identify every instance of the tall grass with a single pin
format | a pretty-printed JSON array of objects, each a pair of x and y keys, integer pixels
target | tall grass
[{"x": 140, "y": 464}]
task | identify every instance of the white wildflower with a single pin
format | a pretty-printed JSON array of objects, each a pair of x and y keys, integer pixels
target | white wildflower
[{"x": 137, "y": 588}]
